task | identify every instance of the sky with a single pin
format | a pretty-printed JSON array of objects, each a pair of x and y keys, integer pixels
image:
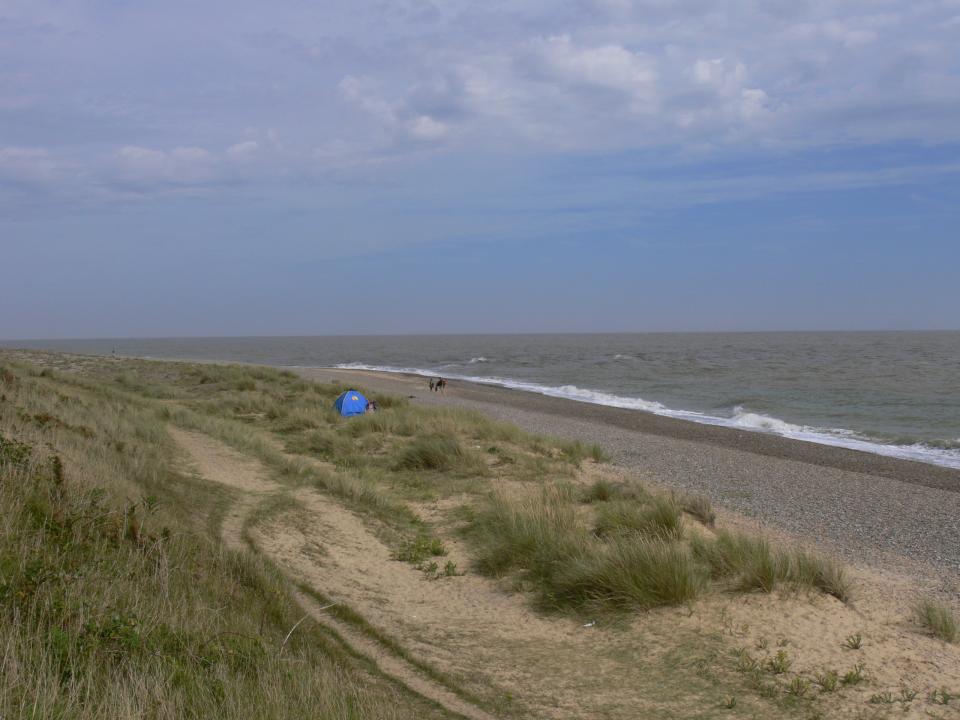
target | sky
[{"x": 407, "y": 166}]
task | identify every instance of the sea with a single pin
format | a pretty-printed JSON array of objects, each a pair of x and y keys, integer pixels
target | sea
[{"x": 889, "y": 393}]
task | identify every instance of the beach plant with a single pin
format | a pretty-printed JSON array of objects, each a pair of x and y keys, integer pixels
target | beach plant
[
  {"x": 435, "y": 452},
  {"x": 746, "y": 662},
  {"x": 827, "y": 680},
  {"x": 600, "y": 490},
  {"x": 907, "y": 694},
  {"x": 630, "y": 572},
  {"x": 938, "y": 619},
  {"x": 941, "y": 696},
  {"x": 419, "y": 549},
  {"x": 575, "y": 452},
  {"x": 779, "y": 663},
  {"x": 660, "y": 518},
  {"x": 544, "y": 539},
  {"x": 853, "y": 642},
  {"x": 752, "y": 563},
  {"x": 854, "y": 676},
  {"x": 884, "y": 698},
  {"x": 598, "y": 454},
  {"x": 699, "y": 507},
  {"x": 798, "y": 687}
]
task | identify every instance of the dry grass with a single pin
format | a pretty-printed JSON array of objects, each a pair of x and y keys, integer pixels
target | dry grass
[
  {"x": 938, "y": 619},
  {"x": 114, "y": 602}
]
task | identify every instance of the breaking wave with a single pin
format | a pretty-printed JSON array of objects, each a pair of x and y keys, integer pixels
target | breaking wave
[{"x": 945, "y": 453}]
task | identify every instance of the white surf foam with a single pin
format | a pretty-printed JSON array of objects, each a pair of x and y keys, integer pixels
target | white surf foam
[{"x": 741, "y": 418}]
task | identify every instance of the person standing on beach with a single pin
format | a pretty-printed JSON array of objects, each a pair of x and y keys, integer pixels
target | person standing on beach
[
  {"x": 441, "y": 384},
  {"x": 431, "y": 384}
]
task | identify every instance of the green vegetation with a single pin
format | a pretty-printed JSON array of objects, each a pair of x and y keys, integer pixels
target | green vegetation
[
  {"x": 699, "y": 507},
  {"x": 114, "y": 600},
  {"x": 751, "y": 563},
  {"x": 853, "y": 642},
  {"x": 938, "y": 619},
  {"x": 116, "y": 591},
  {"x": 628, "y": 553}
]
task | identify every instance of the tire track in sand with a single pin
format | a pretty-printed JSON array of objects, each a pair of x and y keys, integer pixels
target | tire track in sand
[{"x": 218, "y": 463}]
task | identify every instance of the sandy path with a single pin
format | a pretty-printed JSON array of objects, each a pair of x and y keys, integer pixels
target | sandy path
[
  {"x": 218, "y": 463},
  {"x": 492, "y": 641},
  {"x": 465, "y": 625}
]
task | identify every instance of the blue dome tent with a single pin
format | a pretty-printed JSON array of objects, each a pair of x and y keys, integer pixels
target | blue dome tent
[{"x": 351, "y": 403}]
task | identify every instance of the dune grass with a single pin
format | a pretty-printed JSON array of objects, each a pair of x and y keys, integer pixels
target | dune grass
[
  {"x": 114, "y": 602},
  {"x": 938, "y": 619},
  {"x": 630, "y": 551},
  {"x": 660, "y": 517},
  {"x": 697, "y": 506},
  {"x": 752, "y": 563}
]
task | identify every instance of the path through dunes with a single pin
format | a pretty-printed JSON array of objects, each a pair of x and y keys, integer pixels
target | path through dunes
[
  {"x": 491, "y": 642},
  {"x": 218, "y": 463}
]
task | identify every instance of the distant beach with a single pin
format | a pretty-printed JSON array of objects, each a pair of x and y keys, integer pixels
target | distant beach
[{"x": 868, "y": 508}]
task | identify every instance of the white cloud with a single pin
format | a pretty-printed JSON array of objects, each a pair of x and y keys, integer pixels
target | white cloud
[
  {"x": 609, "y": 66},
  {"x": 425, "y": 127},
  {"x": 243, "y": 151},
  {"x": 363, "y": 81}
]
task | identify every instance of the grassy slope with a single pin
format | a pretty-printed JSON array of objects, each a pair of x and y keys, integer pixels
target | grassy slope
[
  {"x": 607, "y": 548},
  {"x": 116, "y": 601}
]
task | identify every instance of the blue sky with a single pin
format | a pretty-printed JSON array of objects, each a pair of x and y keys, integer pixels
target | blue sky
[{"x": 226, "y": 168}]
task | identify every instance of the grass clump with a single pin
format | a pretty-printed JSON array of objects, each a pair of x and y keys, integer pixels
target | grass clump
[
  {"x": 827, "y": 680},
  {"x": 854, "y": 676},
  {"x": 544, "y": 539},
  {"x": 853, "y": 642},
  {"x": 420, "y": 548},
  {"x": 638, "y": 572},
  {"x": 533, "y": 534},
  {"x": 699, "y": 507},
  {"x": 752, "y": 563},
  {"x": 660, "y": 518},
  {"x": 938, "y": 619},
  {"x": 575, "y": 452},
  {"x": 437, "y": 452},
  {"x": 604, "y": 490}
]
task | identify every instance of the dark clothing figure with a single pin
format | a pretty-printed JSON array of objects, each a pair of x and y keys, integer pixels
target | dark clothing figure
[
  {"x": 441, "y": 384},
  {"x": 431, "y": 384}
]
